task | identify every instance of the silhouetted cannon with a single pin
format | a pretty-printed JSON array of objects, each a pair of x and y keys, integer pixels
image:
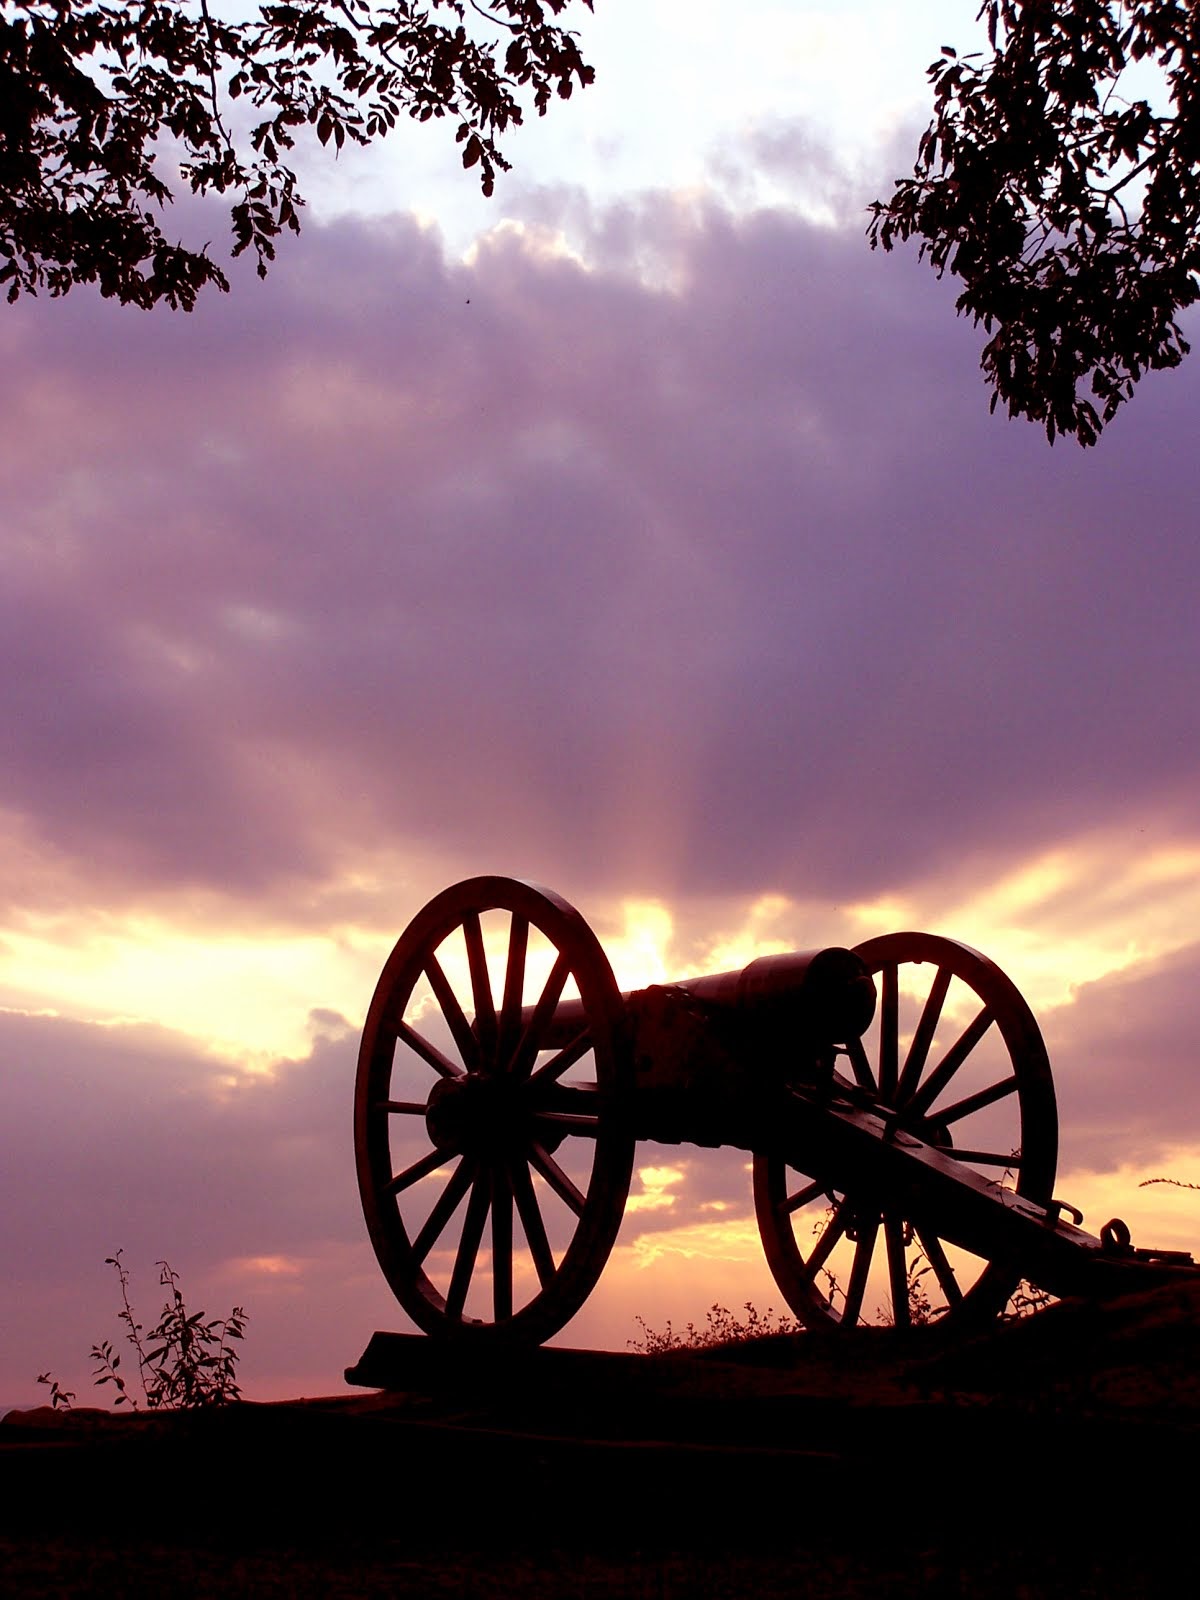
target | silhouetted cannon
[{"x": 896, "y": 1100}]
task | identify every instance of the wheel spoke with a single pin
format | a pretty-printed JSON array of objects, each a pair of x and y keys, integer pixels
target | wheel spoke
[
  {"x": 857, "y": 1287},
  {"x": 481, "y": 984},
  {"x": 976, "y": 1102},
  {"x": 429, "y": 1053},
  {"x": 863, "y": 1075},
  {"x": 893, "y": 1236},
  {"x": 918, "y": 1050},
  {"x": 801, "y": 1197},
  {"x": 531, "y": 1220},
  {"x": 468, "y": 1044},
  {"x": 556, "y": 1178},
  {"x": 406, "y": 1108},
  {"x": 940, "y": 1262},
  {"x": 419, "y": 1169},
  {"x": 514, "y": 985},
  {"x": 824, "y": 1246},
  {"x": 889, "y": 1004},
  {"x": 447, "y": 1204},
  {"x": 950, "y": 1063},
  {"x": 468, "y": 1245},
  {"x": 566, "y": 1058},
  {"x": 502, "y": 1263},
  {"x": 526, "y": 1052}
]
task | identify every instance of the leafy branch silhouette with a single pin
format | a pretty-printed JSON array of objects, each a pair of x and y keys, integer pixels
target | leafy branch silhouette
[{"x": 185, "y": 1362}]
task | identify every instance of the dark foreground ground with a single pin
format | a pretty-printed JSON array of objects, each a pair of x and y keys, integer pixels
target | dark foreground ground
[{"x": 1056, "y": 1456}]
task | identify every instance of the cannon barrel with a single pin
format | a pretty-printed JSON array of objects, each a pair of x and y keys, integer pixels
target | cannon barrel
[{"x": 823, "y": 996}]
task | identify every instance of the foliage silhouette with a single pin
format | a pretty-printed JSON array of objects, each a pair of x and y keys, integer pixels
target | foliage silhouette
[
  {"x": 185, "y": 1362},
  {"x": 1064, "y": 200},
  {"x": 722, "y": 1327},
  {"x": 94, "y": 98},
  {"x": 725, "y": 1327},
  {"x": 1027, "y": 1300},
  {"x": 60, "y": 1398}
]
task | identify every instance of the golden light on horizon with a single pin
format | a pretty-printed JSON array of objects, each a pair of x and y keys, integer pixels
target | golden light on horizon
[
  {"x": 1062, "y": 918},
  {"x": 657, "y": 1184},
  {"x": 641, "y": 953},
  {"x": 1156, "y": 1200},
  {"x": 267, "y": 1267},
  {"x": 1083, "y": 913},
  {"x": 739, "y": 946},
  {"x": 244, "y": 997},
  {"x": 728, "y": 1239},
  {"x": 1085, "y": 910}
]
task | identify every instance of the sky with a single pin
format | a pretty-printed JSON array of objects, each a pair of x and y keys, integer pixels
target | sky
[{"x": 638, "y": 532}]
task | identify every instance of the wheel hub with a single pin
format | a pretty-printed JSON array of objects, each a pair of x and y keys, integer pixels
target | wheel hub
[{"x": 476, "y": 1112}]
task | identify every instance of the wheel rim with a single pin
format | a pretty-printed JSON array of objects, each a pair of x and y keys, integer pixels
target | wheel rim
[
  {"x": 492, "y": 1167},
  {"x": 956, "y": 1055}
]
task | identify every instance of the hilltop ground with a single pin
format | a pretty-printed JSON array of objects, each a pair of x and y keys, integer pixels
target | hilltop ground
[{"x": 1053, "y": 1456}]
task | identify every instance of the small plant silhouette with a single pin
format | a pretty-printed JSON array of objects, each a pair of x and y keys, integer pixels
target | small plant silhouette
[
  {"x": 60, "y": 1398},
  {"x": 722, "y": 1327},
  {"x": 921, "y": 1310},
  {"x": 1026, "y": 1300},
  {"x": 185, "y": 1361}
]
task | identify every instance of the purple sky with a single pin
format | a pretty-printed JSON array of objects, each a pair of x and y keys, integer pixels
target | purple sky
[{"x": 695, "y": 575}]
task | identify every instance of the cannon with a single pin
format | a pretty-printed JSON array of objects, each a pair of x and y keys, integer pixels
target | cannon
[{"x": 895, "y": 1102}]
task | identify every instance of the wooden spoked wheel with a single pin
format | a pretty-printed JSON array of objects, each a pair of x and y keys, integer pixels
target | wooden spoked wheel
[
  {"x": 955, "y": 1053},
  {"x": 493, "y": 1157}
]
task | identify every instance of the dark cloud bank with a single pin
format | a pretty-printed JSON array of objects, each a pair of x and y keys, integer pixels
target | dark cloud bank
[{"x": 725, "y": 584}]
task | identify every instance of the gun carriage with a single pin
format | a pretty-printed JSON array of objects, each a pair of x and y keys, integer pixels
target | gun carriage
[{"x": 895, "y": 1101}]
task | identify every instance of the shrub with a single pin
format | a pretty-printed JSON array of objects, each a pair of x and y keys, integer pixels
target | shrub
[
  {"x": 722, "y": 1327},
  {"x": 185, "y": 1361},
  {"x": 1026, "y": 1300},
  {"x": 60, "y": 1398}
]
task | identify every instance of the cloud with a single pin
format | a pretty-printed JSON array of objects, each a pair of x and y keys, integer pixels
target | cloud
[
  {"x": 132, "y": 1137},
  {"x": 1124, "y": 1060},
  {"x": 709, "y": 587}
]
